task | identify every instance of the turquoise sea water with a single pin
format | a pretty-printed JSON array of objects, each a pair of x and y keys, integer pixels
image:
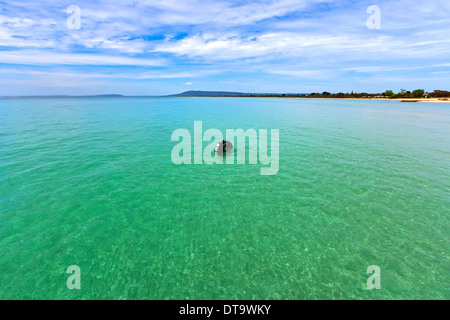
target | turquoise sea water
[{"x": 90, "y": 182}]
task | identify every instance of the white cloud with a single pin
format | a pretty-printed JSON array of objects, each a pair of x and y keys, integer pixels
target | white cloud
[
  {"x": 291, "y": 45},
  {"x": 307, "y": 74},
  {"x": 44, "y": 58},
  {"x": 138, "y": 75},
  {"x": 224, "y": 13}
]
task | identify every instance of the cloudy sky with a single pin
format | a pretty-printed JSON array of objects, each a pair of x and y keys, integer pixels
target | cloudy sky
[{"x": 151, "y": 47}]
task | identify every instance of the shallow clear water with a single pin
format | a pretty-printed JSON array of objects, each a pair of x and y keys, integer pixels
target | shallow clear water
[{"x": 90, "y": 182}]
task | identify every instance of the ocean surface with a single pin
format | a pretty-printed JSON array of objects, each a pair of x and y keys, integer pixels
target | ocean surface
[{"x": 90, "y": 182}]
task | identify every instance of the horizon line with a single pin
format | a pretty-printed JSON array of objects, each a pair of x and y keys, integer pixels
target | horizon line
[{"x": 114, "y": 95}]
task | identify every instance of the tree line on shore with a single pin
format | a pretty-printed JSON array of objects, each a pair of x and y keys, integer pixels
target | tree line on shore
[
  {"x": 403, "y": 94},
  {"x": 418, "y": 94}
]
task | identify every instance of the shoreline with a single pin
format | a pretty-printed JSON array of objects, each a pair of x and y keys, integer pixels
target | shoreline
[{"x": 403, "y": 100}]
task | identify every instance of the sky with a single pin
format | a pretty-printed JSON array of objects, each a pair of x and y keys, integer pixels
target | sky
[{"x": 150, "y": 47}]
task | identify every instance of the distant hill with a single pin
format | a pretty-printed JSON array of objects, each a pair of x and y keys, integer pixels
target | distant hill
[
  {"x": 193, "y": 93},
  {"x": 231, "y": 94}
]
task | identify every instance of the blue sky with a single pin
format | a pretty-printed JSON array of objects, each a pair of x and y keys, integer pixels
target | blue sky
[{"x": 149, "y": 47}]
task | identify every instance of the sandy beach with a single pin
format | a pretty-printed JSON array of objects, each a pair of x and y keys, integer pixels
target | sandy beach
[
  {"x": 429, "y": 100},
  {"x": 432, "y": 100}
]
